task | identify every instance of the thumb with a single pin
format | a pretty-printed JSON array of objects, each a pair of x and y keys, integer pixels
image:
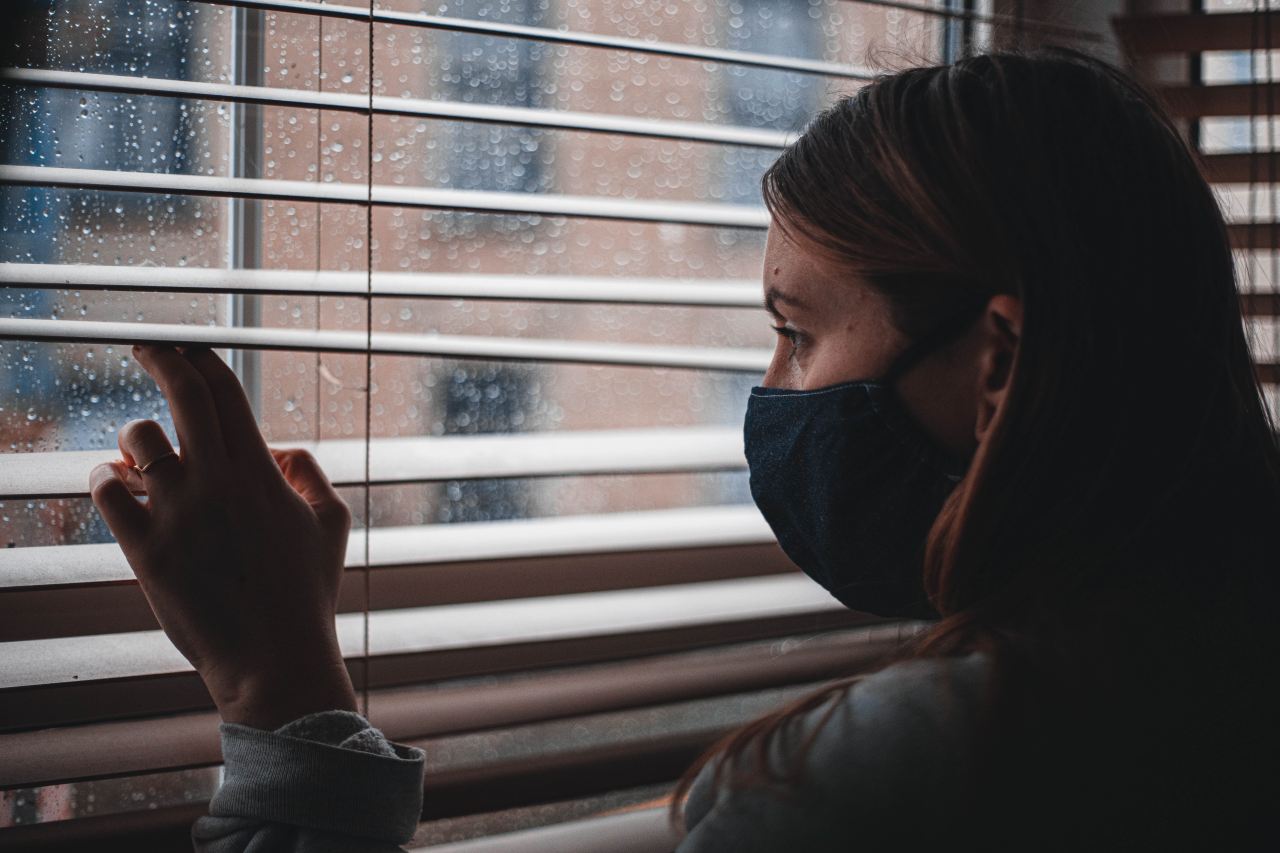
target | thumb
[
  {"x": 303, "y": 473},
  {"x": 128, "y": 519}
]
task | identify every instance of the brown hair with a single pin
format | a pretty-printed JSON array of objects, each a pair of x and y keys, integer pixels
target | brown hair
[{"x": 1130, "y": 478}]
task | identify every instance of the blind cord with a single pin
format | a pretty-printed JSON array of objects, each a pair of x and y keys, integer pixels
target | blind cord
[
  {"x": 368, "y": 360},
  {"x": 319, "y": 208}
]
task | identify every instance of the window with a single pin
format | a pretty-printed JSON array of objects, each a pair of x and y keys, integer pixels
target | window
[
  {"x": 546, "y": 362},
  {"x": 1217, "y": 68}
]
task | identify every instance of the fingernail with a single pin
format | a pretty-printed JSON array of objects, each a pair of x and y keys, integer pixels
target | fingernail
[{"x": 99, "y": 475}]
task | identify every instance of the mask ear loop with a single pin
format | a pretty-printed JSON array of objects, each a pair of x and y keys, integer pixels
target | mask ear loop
[{"x": 944, "y": 333}]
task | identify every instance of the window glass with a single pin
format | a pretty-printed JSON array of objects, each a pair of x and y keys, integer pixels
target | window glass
[
  {"x": 758, "y": 97},
  {"x": 476, "y": 69},
  {"x": 70, "y": 396}
]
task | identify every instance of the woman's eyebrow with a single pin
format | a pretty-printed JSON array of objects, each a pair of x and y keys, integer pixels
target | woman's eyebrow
[{"x": 773, "y": 296}]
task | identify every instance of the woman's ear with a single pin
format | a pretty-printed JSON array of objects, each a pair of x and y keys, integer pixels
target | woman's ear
[{"x": 1001, "y": 325}]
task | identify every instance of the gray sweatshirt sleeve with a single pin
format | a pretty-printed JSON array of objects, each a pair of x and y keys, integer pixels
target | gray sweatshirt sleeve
[
  {"x": 324, "y": 783},
  {"x": 887, "y": 770}
]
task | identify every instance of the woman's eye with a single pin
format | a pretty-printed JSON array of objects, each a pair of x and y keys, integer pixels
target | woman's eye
[{"x": 793, "y": 336}]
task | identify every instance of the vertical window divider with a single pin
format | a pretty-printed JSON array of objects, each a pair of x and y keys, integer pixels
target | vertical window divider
[{"x": 958, "y": 29}]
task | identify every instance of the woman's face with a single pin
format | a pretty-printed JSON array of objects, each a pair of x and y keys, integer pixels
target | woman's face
[{"x": 833, "y": 327}]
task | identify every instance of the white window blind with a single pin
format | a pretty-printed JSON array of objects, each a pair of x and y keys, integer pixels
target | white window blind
[{"x": 492, "y": 262}]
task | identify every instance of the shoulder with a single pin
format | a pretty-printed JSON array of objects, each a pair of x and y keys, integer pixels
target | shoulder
[
  {"x": 914, "y": 705},
  {"x": 888, "y": 728},
  {"x": 877, "y": 753}
]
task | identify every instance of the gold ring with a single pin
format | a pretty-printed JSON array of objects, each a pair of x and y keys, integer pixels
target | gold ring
[{"x": 144, "y": 468}]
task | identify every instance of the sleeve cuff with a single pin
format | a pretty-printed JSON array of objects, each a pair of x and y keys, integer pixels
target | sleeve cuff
[{"x": 330, "y": 771}]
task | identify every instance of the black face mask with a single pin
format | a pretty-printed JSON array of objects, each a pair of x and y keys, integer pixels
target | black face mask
[{"x": 850, "y": 484}]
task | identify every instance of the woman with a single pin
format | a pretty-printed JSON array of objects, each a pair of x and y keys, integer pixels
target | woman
[{"x": 1011, "y": 389}]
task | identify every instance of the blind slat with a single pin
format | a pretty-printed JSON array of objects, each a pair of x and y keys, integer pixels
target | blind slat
[
  {"x": 1260, "y": 304},
  {"x": 637, "y": 828},
  {"x": 1148, "y": 34},
  {"x": 412, "y": 459},
  {"x": 732, "y": 359},
  {"x": 1219, "y": 100},
  {"x": 1241, "y": 167},
  {"x": 432, "y": 544},
  {"x": 712, "y": 293},
  {"x": 75, "y": 610},
  {"x": 685, "y": 131},
  {"x": 589, "y": 207},
  {"x": 1268, "y": 373},
  {"x": 66, "y": 660},
  {"x": 557, "y": 36},
  {"x": 1254, "y": 235}
]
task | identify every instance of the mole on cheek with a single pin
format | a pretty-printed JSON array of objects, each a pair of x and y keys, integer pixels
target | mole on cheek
[{"x": 777, "y": 270}]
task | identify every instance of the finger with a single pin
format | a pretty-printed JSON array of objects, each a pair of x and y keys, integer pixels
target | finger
[
  {"x": 240, "y": 431},
  {"x": 132, "y": 478},
  {"x": 144, "y": 445},
  {"x": 308, "y": 479},
  {"x": 127, "y": 519},
  {"x": 194, "y": 414}
]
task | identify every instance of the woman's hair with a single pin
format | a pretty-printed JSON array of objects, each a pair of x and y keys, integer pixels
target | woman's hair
[{"x": 1118, "y": 510}]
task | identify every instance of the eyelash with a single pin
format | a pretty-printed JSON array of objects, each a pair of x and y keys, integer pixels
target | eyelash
[{"x": 793, "y": 336}]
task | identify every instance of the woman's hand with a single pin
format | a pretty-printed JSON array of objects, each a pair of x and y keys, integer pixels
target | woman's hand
[{"x": 239, "y": 547}]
